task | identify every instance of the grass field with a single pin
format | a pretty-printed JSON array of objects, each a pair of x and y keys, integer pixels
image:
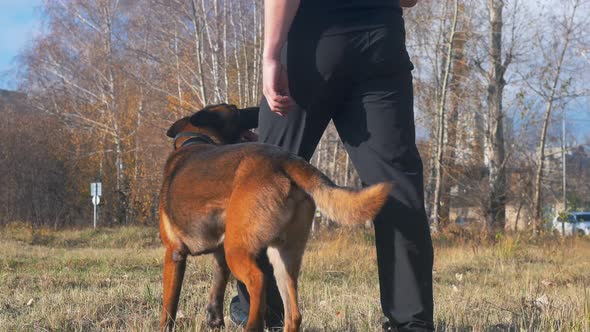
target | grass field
[{"x": 109, "y": 279}]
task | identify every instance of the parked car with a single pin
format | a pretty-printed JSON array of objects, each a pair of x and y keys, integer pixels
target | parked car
[{"x": 574, "y": 223}]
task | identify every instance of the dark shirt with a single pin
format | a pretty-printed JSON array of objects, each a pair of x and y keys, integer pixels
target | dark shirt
[{"x": 342, "y": 16}]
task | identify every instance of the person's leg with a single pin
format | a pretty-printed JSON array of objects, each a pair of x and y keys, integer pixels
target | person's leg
[
  {"x": 299, "y": 133},
  {"x": 377, "y": 128}
]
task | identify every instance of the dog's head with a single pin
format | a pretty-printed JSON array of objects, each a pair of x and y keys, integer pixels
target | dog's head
[{"x": 223, "y": 122}]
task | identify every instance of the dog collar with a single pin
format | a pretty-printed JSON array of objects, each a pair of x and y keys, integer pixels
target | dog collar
[{"x": 194, "y": 139}]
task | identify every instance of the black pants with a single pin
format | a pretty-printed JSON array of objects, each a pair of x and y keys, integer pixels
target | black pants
[{"x": 362, "y": 81}]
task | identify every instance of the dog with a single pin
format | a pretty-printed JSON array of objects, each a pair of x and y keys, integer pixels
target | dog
[{"x": 233, "y": 200}]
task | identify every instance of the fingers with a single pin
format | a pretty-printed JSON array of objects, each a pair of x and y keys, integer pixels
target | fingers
[
  {"x": 276, "y": 87},
  {"x": 277, "y": 95},
  {"x": 280, "y": 104}
]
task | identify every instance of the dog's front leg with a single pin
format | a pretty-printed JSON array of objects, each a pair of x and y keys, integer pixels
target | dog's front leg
[
  {"x": 174, "y": 266},
  {"x": 220, "y": 278}
]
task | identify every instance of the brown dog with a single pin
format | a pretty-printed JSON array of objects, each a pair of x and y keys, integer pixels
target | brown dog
[{"x": 236, "y": 200}]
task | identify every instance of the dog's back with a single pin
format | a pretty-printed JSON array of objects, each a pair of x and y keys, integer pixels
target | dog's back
[
  {"x": 200, "y": 180},
  {"x": 198, "y": 183}
]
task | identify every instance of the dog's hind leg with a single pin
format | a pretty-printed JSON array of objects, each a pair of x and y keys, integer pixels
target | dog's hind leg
[
  {"x": 252, "y": 223},
  {"x": 220, "y": 278},
  {"x": 174, "y": 267},
  {"x": 286, "y": 257},
  {"x": 243, "y": 265}
]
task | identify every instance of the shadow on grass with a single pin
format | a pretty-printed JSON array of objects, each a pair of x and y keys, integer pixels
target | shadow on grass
[{"x": 442, "y": 326}]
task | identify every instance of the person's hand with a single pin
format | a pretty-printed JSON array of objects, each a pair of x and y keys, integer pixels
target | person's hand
[{"x": 275, "y": 86}]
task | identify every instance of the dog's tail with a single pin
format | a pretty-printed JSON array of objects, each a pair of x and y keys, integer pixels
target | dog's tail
[{"x": 343, "y": 205}]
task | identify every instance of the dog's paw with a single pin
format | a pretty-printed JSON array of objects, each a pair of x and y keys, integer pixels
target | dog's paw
[
  {"x": 215, "y": 319},
  {"x": 215, "y": 324}
]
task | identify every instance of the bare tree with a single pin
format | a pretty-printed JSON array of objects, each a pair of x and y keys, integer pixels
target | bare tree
[
  {"x": 553, "y": 89},
  {"x": 441, "y": 128},
  {"x": 494, "y": 149},
  {"x": 457, "y": 127}
]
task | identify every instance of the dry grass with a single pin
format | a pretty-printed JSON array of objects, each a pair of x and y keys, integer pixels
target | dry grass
[{"x": 110, "y": 279}]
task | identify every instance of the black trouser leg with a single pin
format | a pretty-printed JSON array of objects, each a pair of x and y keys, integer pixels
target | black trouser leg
[
  {"x": 298, "y": 133},
  {"x": 377, "y": 128}
]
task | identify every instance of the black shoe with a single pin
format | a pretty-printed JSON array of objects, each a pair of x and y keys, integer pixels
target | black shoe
[
  {"x": 237, "y": 313},
  {"x": 274, "y": 324},
  {"x": 239, "y": 316},
  {"x": 412, "y": 326}
]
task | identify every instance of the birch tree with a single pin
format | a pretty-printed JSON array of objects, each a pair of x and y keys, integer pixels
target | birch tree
[
  {"x": 555, "y": 47},
  {"x": 458, "y": 126}
]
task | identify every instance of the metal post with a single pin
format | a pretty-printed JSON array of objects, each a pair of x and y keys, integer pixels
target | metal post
[
  {"x": 563, "y": 160},
  {"x": 563, "y": 172},
  {"x": 95, "y": 192}
]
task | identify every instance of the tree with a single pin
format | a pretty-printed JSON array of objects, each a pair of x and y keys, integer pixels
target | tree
[
  {"x": 494, "y": 149},
  {"x": 552, "y": 89},
  {"x": 441, "y": 128}
]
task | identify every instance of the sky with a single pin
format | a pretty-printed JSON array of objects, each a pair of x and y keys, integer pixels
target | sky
[{"x": 19, "y": 22}]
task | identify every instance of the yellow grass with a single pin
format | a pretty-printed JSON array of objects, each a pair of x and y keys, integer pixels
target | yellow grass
[{"x": 109, "y": 280}]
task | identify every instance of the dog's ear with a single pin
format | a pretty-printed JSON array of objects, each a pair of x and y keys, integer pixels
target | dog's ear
[
  {"x": 177, "y": 127},
  {"x": 248, "y": 117},
  {"x": 207, "y": 118}
]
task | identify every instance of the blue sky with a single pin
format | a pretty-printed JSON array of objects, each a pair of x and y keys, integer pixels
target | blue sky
[{"x": 19, "y": 22}]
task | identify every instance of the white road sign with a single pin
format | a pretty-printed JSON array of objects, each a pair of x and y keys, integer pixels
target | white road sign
[
  {"x": 95, "y": 192},
  {"x": 96, "y": 189}
]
